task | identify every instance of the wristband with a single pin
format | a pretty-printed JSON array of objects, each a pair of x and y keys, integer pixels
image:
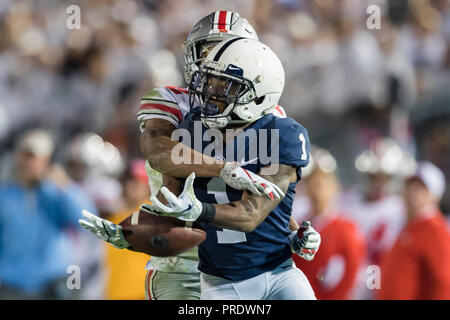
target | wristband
[{"x": 208, "y": 213}]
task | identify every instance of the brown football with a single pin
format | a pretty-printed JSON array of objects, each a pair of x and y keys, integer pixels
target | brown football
[{"x": 160, "y": 236}]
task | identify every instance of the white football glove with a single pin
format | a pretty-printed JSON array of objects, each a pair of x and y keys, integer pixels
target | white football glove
[
  {"x": 104, "y": 229},
  {"x": 242, "y": 179},
  {"x": 305, "y": 241},
  {"x": 184, "y": 207}
]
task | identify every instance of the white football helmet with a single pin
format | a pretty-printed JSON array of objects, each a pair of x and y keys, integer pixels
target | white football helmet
[
  {"x": 245, "y": 74},
  {"x": 385, "y": 156},
  {"x": 210, "y": 30}
]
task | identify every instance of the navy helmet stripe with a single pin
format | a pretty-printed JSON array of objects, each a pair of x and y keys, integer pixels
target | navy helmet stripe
[{"x": 224, "y": 47}]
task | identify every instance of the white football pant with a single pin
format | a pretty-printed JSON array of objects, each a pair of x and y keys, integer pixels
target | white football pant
[{"x": 285, "y": 282}]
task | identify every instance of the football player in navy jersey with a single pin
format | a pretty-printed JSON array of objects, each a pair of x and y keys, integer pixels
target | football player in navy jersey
[
  {"x": 162, "y": 110},
  {"x": 246, "y": 254}
]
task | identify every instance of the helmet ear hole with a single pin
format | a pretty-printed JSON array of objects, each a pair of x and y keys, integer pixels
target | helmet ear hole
[{"x": 259, "y": 100}]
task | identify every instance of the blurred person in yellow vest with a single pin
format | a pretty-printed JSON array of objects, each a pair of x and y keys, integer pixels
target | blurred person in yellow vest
[{"x": 127, "y": 268}]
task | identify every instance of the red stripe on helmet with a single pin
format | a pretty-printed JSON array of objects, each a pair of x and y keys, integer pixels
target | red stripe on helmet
[{"x": 222, "y": 21}]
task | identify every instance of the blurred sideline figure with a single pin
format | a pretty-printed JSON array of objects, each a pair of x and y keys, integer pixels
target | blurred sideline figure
[
  {"x": 418, "y": 266},
  {"x": 35, "y": 213},
  {"x": 94, "y": 164},
  {"x": 126, "y": 268},
  {"x": 79, "y": 158},
  {"x": 377, "y": 210},
  {"x": 333, "y": 271}
]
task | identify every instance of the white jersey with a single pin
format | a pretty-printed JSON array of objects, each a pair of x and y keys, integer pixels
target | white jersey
[
  {"x": 380, "y": 222},
  {"x": 171, "y": 104}
]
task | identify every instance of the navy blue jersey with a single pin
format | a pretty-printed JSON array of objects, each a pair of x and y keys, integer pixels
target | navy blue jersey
[{"x": 236, "y": 255}]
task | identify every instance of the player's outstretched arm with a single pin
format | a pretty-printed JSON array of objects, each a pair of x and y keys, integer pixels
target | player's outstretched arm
[
  {"x": 247, "y": 214},
  {"x": 244, "y": 215},
  {"x": 157, "y": 147},
  {"x": 104, "y": 230}
]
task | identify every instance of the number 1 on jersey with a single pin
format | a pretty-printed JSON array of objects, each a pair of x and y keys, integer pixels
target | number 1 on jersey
[{"x": 303, "y": 140}]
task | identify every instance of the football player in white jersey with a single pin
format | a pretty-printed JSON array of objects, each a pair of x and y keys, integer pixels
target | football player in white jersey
[{"x": 162, "y": 110}]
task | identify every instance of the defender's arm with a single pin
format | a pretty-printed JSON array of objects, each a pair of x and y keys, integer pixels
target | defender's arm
[{"x": 157, "y": 147}]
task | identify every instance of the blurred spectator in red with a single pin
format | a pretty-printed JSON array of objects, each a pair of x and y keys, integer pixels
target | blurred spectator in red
[
  {"x": 376, "y": 209},
  {"x": 333, "y": 271},
  {"x": 81, "y": 158},
  {"x": 418, "y": 266}
]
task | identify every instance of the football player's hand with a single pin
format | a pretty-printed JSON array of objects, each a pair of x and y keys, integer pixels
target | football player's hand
[
  {"x": 242, "y": 179},
  {"x": 104, "y": 229},
  {"x": 184, "y": 207},
  {"x": 305, "y": 241}
]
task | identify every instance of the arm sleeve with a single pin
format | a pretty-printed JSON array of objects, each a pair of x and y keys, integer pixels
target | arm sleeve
[{"x": 156, "y": 104}]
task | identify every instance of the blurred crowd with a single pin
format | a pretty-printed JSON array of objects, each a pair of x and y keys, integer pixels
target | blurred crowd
[{"x": 376, "y": 99}]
